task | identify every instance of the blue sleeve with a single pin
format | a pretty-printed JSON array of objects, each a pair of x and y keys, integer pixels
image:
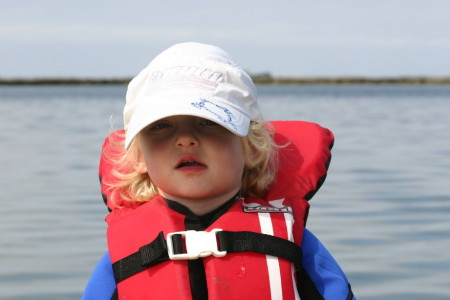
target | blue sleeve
[
  {"x": 101, "y": 285},
  {"x": 323, "y": 269}
]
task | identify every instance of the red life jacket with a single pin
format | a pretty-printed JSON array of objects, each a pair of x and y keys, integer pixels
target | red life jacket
[{"x": 245, "y": 274}]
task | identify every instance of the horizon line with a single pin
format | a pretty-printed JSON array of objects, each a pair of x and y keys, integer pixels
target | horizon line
[{"x": 264, "y": 78}]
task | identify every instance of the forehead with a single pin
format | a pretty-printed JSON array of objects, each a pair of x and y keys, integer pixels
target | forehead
[{"x": 186, "y": 119}]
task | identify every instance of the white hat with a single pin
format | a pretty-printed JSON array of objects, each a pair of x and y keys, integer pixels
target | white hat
[{"x": 191, "y": 79}]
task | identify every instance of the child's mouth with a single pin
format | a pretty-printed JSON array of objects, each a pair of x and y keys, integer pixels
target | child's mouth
[{"x": 189, "y": 163}]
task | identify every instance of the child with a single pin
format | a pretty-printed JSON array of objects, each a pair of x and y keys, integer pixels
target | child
[{"x": 204, "y": 203}]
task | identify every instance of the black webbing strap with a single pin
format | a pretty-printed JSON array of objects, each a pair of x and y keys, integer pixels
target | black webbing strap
[
  {"x": 350, "y": 293},
  {"x": 306, "y": 288},
  {"x": 243, "y": 241},
  {"x": 230, "y": 241},
  {"x": 147, "y": 256},
  {"x": 115, "y": 295}
]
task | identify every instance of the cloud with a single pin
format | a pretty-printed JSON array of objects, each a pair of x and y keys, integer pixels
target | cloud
[{"x": 262, "y": 35}]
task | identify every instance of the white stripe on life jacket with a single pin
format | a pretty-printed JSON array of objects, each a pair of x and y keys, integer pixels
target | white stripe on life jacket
[
  {"x": 289, "y": 218},
  {"x": 272, "y": 262}
]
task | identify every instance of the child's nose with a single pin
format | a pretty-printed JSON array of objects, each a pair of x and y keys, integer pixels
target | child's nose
[{"x": 186, "y": 137}]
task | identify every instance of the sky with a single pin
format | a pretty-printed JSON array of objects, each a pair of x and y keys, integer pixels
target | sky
[{"x": 322, "y": 38}]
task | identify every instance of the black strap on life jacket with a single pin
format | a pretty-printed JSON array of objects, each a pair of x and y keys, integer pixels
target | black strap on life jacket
[
  {"x": 242, "y": 241},
  {"x": 156, "y": 252},
  {"x": 306, "y": 287},
  {"x": 148, "y": 256},
  {"x": 231, "y": 241}
]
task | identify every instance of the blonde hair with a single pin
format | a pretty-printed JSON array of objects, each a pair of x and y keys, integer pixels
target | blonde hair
[{"x": 259, "y": 171}]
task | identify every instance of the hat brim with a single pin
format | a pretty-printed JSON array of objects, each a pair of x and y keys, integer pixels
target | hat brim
[{"x": 221, "y": 112}]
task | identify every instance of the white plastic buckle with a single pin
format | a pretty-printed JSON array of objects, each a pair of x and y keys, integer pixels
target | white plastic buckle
[{"x": 198, "y": 244}]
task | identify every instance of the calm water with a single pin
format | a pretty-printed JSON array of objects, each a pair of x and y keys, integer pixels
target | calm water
[{"x": 383, "y": 212}]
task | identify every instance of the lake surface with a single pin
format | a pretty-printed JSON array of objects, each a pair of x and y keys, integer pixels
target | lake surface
[{"x": 384, "y": 211}]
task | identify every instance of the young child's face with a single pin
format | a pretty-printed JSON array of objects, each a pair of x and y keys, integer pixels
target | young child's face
[{"x": 191, "y": 158}]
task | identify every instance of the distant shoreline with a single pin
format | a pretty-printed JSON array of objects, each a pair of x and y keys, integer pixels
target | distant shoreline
[{"x": 258, "y": 79}]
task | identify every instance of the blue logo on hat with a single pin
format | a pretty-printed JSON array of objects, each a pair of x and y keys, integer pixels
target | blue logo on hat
[{"x": 223, "y": 113}]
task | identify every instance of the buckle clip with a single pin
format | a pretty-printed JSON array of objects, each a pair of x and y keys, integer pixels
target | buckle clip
[{"x": 198, "y": 244}]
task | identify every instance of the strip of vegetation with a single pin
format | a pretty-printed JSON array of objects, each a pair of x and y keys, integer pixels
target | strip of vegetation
[
  {"x": 63, "y": 81},
  {"x": 258, "y": 79},
  {"x": 267, "y": 79}
]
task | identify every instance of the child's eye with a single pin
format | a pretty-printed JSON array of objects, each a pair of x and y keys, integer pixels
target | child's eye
[
  {"x": 206, "y": 122},
  {"x": 158, "y": 126}
]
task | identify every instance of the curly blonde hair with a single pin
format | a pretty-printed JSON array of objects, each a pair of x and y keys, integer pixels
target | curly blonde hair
[{"x": 259, "y": 170}]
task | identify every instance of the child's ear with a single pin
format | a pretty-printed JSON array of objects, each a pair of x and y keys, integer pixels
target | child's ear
[
  {"x": 139, "y": 164},
  {"x": 140, "y": 167}
]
